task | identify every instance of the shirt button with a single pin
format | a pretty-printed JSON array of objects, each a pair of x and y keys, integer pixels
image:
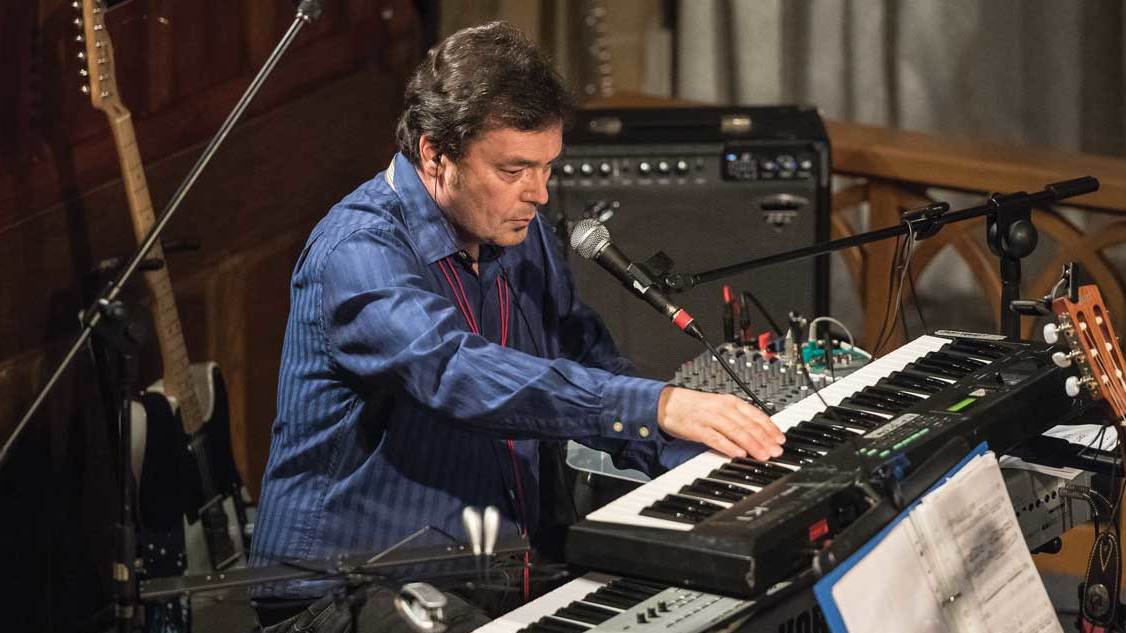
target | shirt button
[
  {"x": 618, "y": 426},
  {"x": 643, "y": 431}
]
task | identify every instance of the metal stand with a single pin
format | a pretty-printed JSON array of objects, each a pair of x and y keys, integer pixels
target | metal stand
[
  {"x": 308, "y": 11},
  {"x": 1011, "y": 236},
  {"x": 122, "y": 337}
]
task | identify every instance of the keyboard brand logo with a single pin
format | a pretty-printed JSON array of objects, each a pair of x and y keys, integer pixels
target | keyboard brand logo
[{"x": 752, "y": 513}]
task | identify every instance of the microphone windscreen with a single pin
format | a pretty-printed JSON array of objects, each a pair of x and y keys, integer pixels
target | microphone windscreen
[{"x": 589, "y": 237}]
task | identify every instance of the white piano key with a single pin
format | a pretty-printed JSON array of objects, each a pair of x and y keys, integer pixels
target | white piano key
[{"x": 547, "y": 604}]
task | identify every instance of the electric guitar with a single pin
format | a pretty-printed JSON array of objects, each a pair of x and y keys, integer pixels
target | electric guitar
[
  {"x": 1083, "y": 323},
  {"x": 185, "y": 470}
]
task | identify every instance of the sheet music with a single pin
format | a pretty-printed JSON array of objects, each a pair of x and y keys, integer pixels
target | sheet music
[
  {"x": 956, "y": 562},
  {"x": 972, "y": 520},
  {"x": 898, "y": 568}
]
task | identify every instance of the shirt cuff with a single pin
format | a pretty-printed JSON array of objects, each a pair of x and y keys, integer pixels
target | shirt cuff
[{"x": 629, "y": 408}]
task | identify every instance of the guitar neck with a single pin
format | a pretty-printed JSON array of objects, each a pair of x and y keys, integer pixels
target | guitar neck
[{"x": 170, "y": 335}]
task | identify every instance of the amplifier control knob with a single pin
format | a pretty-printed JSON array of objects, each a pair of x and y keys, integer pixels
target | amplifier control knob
[
  {"x": 663, "y": 166},
  {"x": 787, "y": 162},
  {"x": 644, "y": 168},
  {"x": 586, "y": 169},
  {"x": 568, "y": 169},
  {"x": 682, "y": 166},
  {"x": 606, "y": 169}
]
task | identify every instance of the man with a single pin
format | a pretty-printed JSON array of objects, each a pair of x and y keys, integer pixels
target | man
[{"x": 435, "y": 337}]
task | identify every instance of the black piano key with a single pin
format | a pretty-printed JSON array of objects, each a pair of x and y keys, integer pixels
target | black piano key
[
  {"x": 715, "y": 490},
  {"x": 915, "y": 383},
  {"x": 764, "y": 468},
  {"x": 927, "y": 375},
  {"x": 547, "y": 624},
  {"x": 740, "y": 477},
  {"x": 813, "y": 448},
  {"x": 588, "y": 613},
  {"x": 978, "y": 348},
  {"x": 608, "y": 599},
  {"x": 827, "y": 429},
  {"x": 907, "y": 399},
  {"x": 843, "y": 416},
  {"x": 866, "y": 402},
  {"x": 964, "y": 355},
  {"x": 628, "y": 590},
  {"x": 811, "y": 437},
  {"x": 639, "y": 585},
  {"x": 937, "y": 369},
  {"x": 788, "y": 457},
  {"x": 854, "y": 429},
  {"x": 692, "y": 505},
  {"x": 660, "y": 510},
  {"x": 967, "y": 365}
]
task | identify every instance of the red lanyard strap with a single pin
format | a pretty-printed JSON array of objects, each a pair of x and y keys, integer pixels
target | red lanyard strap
[
  {"x": 463, "y": 304},
  {"x": 466, "y": 308}
]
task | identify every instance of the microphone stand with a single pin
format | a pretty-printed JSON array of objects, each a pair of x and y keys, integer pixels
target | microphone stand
[
  {"x": 1009, "y": 233},
  {"x": 307, "y": 11}
]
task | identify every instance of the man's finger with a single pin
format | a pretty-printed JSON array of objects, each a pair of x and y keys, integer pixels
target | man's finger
[
  {"x": 752, "y": 440},
  {"x": 715, "y": 439},
  {"x": 760, "y": 417}
]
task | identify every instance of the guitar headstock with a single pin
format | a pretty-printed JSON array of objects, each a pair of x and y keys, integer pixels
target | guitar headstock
[
  {"x": 97, "y": 53},
  {"x": 1086, "y": 328}
]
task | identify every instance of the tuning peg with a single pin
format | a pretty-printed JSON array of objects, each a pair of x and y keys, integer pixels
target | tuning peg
[
  {"x": 79, "y": 38},
  {"x": 1062, "y": 359},
  {"x": 81, "y": 56},
  {"x": 85, "y": 89},
  {"x": 82, "y": 72},
  {"x": 76, "y": 5},
  {"x": 78, "y": 23},
  {"x": 1051, "y": 333},
  {"x": 1071, "y": 386}
]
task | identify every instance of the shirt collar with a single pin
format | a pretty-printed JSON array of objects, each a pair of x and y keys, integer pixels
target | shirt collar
[{"x": 430, "y": 229}]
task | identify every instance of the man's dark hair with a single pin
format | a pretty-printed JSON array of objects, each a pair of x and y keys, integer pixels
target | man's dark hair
[{"x": 479, "y": 79}]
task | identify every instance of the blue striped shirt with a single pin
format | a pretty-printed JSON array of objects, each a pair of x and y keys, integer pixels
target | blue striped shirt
[{"x": 392, "y": 415}]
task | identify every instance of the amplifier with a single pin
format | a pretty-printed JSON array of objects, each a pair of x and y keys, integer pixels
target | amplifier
[{"x": 709, "y": 187}]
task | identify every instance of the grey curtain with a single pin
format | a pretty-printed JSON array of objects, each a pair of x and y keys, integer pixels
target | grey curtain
[{"x": 1038, "y": 72}]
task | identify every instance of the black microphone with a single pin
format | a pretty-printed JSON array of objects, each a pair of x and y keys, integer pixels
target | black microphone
[{"x": 592, "y": 241}]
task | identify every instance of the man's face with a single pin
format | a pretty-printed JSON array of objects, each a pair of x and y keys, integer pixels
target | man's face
[{"x": 490, "y": 195}]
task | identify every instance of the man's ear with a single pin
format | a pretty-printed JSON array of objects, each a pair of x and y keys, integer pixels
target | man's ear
[{"x": 430, "y": 159}]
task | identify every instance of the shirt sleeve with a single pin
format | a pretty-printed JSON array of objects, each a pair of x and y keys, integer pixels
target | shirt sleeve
[
  {"x": 384, "y": 324},
  {"x": 586, "y": 339}
]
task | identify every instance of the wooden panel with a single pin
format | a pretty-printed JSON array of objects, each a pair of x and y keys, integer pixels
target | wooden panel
[{"x": 916, "y": 157}]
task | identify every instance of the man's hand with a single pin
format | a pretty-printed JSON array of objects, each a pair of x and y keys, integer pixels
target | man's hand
[{"x": 723, "y": 422}]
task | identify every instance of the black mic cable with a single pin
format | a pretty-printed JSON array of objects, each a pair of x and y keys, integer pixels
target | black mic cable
[{"x": 592, "y": 241}]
